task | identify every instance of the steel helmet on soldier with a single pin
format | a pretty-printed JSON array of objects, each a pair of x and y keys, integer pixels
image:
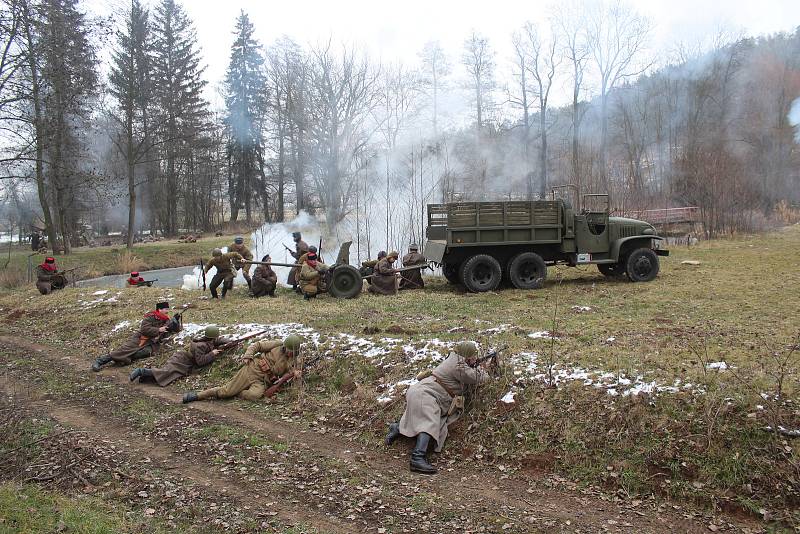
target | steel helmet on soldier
[
  {"x": 466, "y": 349},
  {"x": 381, "y": 254},
  {"x": 238, "y": 240},
  {"x": 312, "y": 248},
  {"x": 216, "y": 252},
  {"x": 413, "y": 246},
  {"x": 393, "y": 254},
  {"x": 292, "y": 342},
  {"x": 212, "y": 332}
]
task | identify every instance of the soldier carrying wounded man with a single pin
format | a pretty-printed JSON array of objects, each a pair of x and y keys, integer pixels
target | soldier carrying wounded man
[
  {"x": 264, "y": 362},
  {"x": 436, "y": 402}
]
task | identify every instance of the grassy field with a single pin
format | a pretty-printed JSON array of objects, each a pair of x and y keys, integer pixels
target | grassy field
[
  {"x": 100, "y": 261},
  {"x": 664, "y": 387}
]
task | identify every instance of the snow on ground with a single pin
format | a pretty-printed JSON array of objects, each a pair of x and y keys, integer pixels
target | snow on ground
[
  {"x": 120, "y": 326},
  {"x": 388, "y": 395},
  {"x": 544, "y": 334},
  {"x": 721, "y": 366},
  {"x": 508, "y": 398},
  {"x": 96, "y": 302},
  {"x": 581, "y": 309}
]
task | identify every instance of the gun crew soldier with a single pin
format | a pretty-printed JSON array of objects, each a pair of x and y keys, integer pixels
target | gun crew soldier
[
  {"x": 301, "y": 247},
  {"x": 311, "y": 282},
  {"x": 384, "y": 279},
  {"x": 155, "y": 328},
  {"x": 240, "y": 248},
  {"x": 436, "y": 402},
  {"x": 265, "y": 280},
  {"x": 134, "y": 279},
  {"x": 412, "y": 279},
  {"x": 202, "y": 351},
  {"x": 225, "y": 271},
  {"x": 264, "y": 362},
  {"x": 48, "y": 279},
  {"x": 368, "y": 266}
]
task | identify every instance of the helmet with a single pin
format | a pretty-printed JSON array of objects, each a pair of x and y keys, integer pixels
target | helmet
[
  {"x": 296, "y": 236},
  {"x": 393, "y": 254},
  {"x": 216, "y": 252},
  {"x": 312, "y": 248},
  {"x": 212, "y": 331},
  {"x": 163, "y": 305},
  {"x": 292, "y": 342},
  {"x": 134, "y": 274},
  {"x": 238, "y": 240},
  {"x": 381, "y": 254},
  {"x": 466, "y": 349},
  {"x": 413, "y": 246},
  {"x": 266, "y": 257}
]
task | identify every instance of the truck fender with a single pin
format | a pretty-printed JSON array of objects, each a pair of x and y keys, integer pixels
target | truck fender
[
  {"x": 434, "y": 250},
  {"x": 645, "y": 243}
]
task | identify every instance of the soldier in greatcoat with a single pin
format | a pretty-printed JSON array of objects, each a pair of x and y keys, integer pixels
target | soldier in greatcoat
[
  {"x": 225, "y": 271},
  {"x": 300, "y": 248},
  {"x": 384, "y": 279},
  {"x": 48, "y": 278},
  {"x": 144, "y": 342},
  {"x": 368, "y": 266},
  {"x": 265, "y": 280},
  {"x": 202, "y": 351},
  {"x": 412, "y": 279},
  {"x": 264, "y": 362},
  {"x": 437, "y": 401},
  {"x": 310, "y": 277},
  {"x": 240, "y": 248}
]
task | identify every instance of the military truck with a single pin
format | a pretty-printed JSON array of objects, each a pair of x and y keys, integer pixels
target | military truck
[{"x": 481, "y": 244}]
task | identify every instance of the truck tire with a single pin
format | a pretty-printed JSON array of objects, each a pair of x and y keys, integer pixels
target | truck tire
[
  {"x": 642, "y": 265},
  {"x": 527, "y": 271},
  {"x": 450, "y": 272},
  {"x": 481, "y": 273},
  {"x": 612, "y": 269},
  {"x": 346, "y": 282}
]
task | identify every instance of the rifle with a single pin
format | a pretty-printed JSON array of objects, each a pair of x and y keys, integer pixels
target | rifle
[
  {"x": 409, "y": 268},
  {"x": 273, "y": 389},
  {"x": 273, "y": 263},
  {"x": 493, "y": 356},
  {"x": 175, "y": 323},
  {"x": 203, "y": 273},
  {"x": 292, "y": 252},
  {"x": 148, "y": 283},
  {"x": 237, "y": 342},
  {"x": 319, "y": 250}
]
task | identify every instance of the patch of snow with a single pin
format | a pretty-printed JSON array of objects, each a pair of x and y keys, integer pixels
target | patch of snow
[
  {"x": 508, "y": 398},
  {"x": 718, "y": 365},
  {"x": 541, "y": 335},
  {"x": 581, "y": 309},
  {"x": 611, "y": 339},
  {"x": 101, "y": 292},
  {"x": 388, "y": 395},
  {"x": 120, "y": 326}
]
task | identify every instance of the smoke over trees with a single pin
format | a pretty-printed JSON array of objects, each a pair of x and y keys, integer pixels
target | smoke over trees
[{"x": 365, "y": 145}]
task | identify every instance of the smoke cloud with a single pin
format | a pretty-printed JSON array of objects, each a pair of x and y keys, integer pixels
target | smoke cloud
[{"x": 794, "y": 119}]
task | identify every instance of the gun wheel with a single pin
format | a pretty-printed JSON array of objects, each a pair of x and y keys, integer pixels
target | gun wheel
[{"x": 346, "y": 282}]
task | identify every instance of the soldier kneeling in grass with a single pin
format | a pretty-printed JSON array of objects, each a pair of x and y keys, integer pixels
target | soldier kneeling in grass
[
  {"x": 437, "y": 401},
  {"x": 202, "y": 351},
  {"x": 264, "y": 362}
]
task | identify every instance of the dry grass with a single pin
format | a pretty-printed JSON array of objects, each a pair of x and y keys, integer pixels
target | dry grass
[
  {"x": 12, "y": 278},
  {"x": 127, "y": 262}
]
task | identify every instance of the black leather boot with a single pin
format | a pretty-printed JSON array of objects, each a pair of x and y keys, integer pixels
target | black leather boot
[
  {"x": 136, "y": 373},
  {"x": 189, "y": 396},
  {"x": 394, "y": 433},
  {"x": 419, "y": 456},
  {"x": 140, "y": 373},
  {"x": 100, "y": 362}
]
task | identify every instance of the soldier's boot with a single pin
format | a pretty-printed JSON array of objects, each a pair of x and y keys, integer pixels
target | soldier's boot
[
  {"x": 100, "y": 362},
  {"x": 419, "y": 456},
  {"x": 394, "y": 433},
  {"x": 214, "y": 294},
  {"x": 189, "y": 396},
  {"x": 141, "y": 374}
]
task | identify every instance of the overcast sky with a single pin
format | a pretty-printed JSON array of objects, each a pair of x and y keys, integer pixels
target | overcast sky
[{"x": 398, "y": 30}]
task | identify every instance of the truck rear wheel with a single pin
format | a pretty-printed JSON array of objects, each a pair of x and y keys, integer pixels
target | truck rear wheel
[
  {"x": 642, "y": 265},
  {"x": 611, "y": 269},
  {"x": 481, "y": 273},
  {"x": 527, "y": 271},
  {"x": 450, "y": 271},
  {"x": 346, "y": 282}
]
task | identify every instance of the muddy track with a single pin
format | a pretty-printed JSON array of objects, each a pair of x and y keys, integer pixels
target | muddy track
[{"x": 526, "y": 503}]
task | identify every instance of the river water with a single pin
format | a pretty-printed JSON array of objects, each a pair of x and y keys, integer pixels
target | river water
[{"x": 166, "y": 278}]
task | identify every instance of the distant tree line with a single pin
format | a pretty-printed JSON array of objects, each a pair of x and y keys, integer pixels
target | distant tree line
[{"x": 366, "y": 146}]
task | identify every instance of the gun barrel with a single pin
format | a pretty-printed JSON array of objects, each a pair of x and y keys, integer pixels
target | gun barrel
[{"x": 274, "y": 263}]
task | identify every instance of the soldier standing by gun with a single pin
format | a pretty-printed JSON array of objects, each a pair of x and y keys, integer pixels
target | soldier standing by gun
[
  {"x": 264, "y": 362},
  {"x": 202, "y": 351},
  {"x": 301, "y": 247},
  {"x": 412, "y": 279},
  {"x": 384, "y": 279},
  {"x": 48, "y": 278},
  {"x": 156, "y": 326},
  {"x": 240, "y": 248},
  {"x": 264, "y": 279},
  {"x": 225, "y": 271},
  {"x": 437, "y": 401}
]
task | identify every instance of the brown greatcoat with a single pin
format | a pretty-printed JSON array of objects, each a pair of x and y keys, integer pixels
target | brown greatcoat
[
  {"x": 384, "y": 280},
  {"x": 311, "y": 278},
  {"x": 264, "y": 281},
  {"x": 45, "y": 279},
  {"x": 427, "y": 402},
  {"x": 250, "y": 381},
  {"x": 146, "y": 339},
  {"x": 301, "y": 247},
  {"x": 243, "y": 251},
  {"x": 182, "y": 363},
  {"x": 223, "y": 264},
  {"x": 412, "y": 279}
]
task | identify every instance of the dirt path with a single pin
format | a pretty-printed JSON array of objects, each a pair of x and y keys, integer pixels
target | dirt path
[{"x": 474, "y": 497}]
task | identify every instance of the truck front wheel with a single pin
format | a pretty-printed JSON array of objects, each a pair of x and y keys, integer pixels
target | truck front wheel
[
  {"x": 642, "y": 265},
  {"x": 481, "y": 273},
  {"x": 527, "y": 271}
]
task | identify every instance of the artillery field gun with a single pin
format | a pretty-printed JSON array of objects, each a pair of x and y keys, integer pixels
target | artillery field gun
[{"x": 481, "y": 244}]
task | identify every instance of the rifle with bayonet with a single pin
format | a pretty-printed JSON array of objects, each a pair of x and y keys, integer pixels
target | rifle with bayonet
[
  {"x": 273, "y": 389},
  {"x": 148, "y": 283},
  {"x": 292, "y": 252},
  {"x": 203, "y": 273},
  {"x": 236, "y": 342},
  {"x": 175, "y": 323}
]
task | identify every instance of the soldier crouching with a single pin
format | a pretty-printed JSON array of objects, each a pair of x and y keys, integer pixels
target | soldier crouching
[
  {"x": 437, "y": 401},
  {"x": 264, "y": 361}
]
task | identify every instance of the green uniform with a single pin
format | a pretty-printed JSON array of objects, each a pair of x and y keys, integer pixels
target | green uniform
[
  {"x": 225, "y": 272},
  {"x": 245, "y": 253}
]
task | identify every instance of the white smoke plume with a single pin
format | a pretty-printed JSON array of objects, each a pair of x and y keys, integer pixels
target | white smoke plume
[{"x": 794, "y": 119}]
